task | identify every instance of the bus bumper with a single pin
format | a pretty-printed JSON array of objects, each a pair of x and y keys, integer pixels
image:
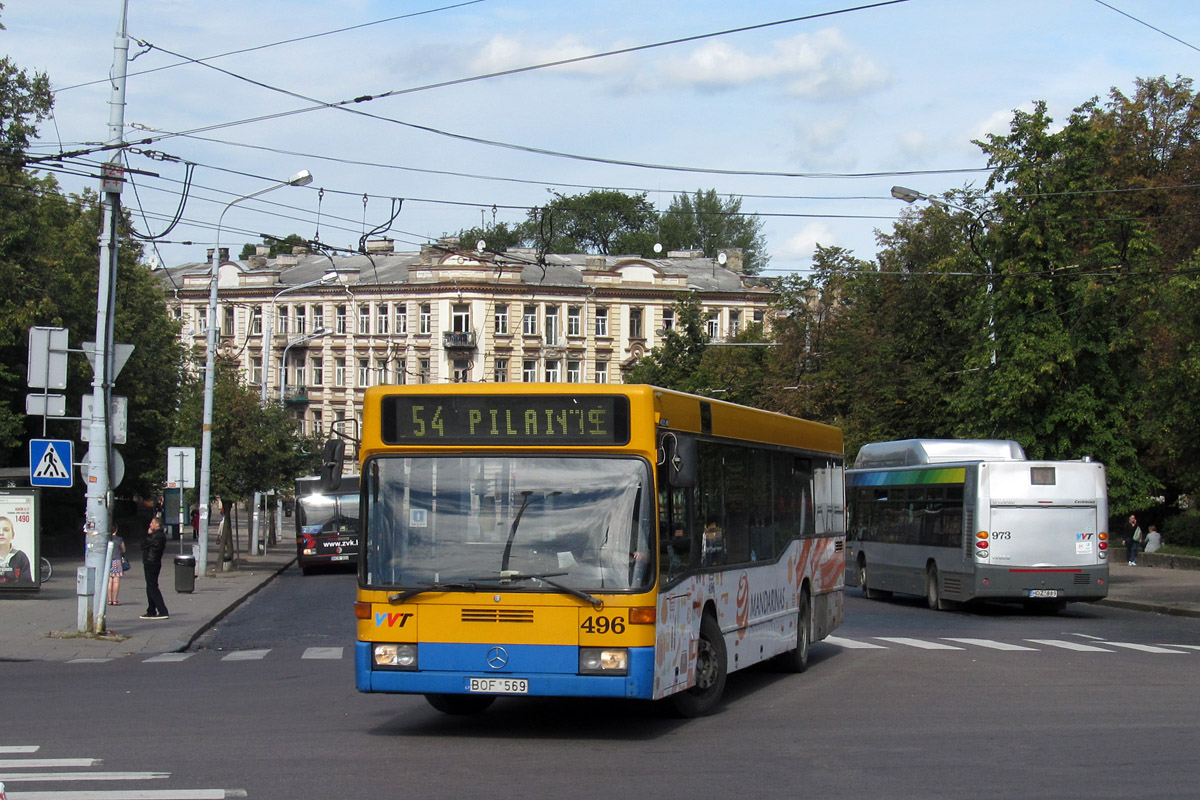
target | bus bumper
[
  {"x": 1073, "y": 584},
  {"x": 551, "y": 670}
]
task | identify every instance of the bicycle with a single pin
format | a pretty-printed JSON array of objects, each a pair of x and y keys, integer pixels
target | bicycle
[{"x": 47, "y": 570}]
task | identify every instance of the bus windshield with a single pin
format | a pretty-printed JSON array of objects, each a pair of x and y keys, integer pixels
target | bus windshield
[
  {"x": 319, "y": 513},
  {"x": 503, "y": 522}
]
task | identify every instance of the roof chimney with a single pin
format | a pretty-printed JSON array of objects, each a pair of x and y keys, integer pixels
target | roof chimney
[{"x": 734, "y": 258}]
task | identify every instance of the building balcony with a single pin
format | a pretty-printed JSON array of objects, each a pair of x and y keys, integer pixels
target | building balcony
[
  {"x": 295, "y": 396},
  {"x": 458, "y": 340}
]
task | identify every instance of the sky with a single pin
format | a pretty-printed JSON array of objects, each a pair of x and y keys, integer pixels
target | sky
[{"x": 810, "y": 121}]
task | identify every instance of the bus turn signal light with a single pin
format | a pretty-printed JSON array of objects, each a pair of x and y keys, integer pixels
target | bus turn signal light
[
  {"x": 362, "y": 610},
  {"x": 642, "y": 615}
]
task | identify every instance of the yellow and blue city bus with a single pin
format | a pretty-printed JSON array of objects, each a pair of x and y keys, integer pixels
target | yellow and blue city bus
[{"x": 592, "y": 541}]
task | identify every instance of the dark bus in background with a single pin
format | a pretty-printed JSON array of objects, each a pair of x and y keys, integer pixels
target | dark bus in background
[{"x": 326, "y": 523}]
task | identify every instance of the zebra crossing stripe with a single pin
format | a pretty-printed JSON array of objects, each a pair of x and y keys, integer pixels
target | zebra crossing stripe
[
  {"x": 166, "y": 658},
  {"x": 918, "y": 643},
  {"x": 246, "y": 655},
  {"x": 13, "y": 749},
  {"x": 1145, "y": 648},
  {"x": 852, "y": 644},
  {"x": 322, "y": 652},
  {"x": 1076, "y": 646},
  {"x": 16, "y": 777},
  {"x": 993, "y": 645}
]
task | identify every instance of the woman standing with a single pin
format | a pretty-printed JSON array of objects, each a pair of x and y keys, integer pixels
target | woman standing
[{"x": 117, "y": 568}]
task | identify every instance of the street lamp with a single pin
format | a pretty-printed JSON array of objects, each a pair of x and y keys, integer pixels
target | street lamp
[
  {"x": 302, "y": 178},
  {"x": 911, "y": 196},
  {"x": 265, "y": 379}
]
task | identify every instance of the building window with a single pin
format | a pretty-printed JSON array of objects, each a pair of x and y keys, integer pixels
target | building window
[
  {"x": 529, "y": 321},
  {"x": 401, "y": 372},
  {"x": 381, "y": 371},
  {"x": 256, "y": 376},
  {"x": 318, "y": 371},
  {"x": 668, "y": 319},
  {"x": 574, "y": 321},
  {"x": 500, "y": 370},
  {"x": 601, "y": 372},
  {"x": 462, "y": 370},
  {"x": 602, "y": 322},
  {"x": 529, "y": 371},
  {"x": 301, "y": 380},
  {"x": 227, "y": 328},
  {"x": 712, "y": 325},
  {"x": 364, "y": 319},
  {"x": 460, "y": 318},
  {"x": 552, "y": 371},
  {"x": 758, "y": 316},
  {"x": 635, "y": 324},
  {"x": 282, "y": 321},
  {"x": 319, "y": 317},
  {"x": 201, "y": 320},
  {"x": 256, "y": 321},
  {"x": 339, "y": 372},
  {"x": 364, "y": 372},
  {"x": 401, "y": 318},
  {"x": 551, "y": 324},
  {"x": 301, "y": 320},
  {"x": 502, "y": 320},
  {"x": 341, "y": 319},
  {"x": 423, "y": 373},
  {"x": 426, "y": 321},
  {"x": 318, "y": 422},
  {"x": 574, "y": 371},
  {"x": 382, "y": 319},
  {"x": 735, "y": 323}
]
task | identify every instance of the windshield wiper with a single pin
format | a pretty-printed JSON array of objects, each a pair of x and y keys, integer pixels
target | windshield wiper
[
  {"x": 400, "y": 597},
  {"x": 509, "y": 576}
]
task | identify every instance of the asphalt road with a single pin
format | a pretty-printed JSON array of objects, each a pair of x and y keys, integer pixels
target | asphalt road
[{"x": 907, "y": 703}]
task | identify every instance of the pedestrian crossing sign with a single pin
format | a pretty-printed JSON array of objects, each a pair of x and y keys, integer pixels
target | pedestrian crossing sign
[{"x": 50, "y": 462}]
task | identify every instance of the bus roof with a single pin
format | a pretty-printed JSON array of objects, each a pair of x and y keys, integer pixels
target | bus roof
[{"x": 914, "y": 452}]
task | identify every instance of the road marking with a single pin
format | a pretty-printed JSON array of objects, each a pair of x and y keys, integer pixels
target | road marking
[
  {"x": 1076, "y": 646},
  {"x": 10, "y": 777},
  {"x": 1185, "y": 646},
  {"x": 1145, "y": 648},
  {"x": 851, "y": 644},
  {"x": 323, "y": 652},
  {"x": 136, "y": 794},
  {"x": 89, "y": 660},
  {"x": 47, "y": 763},
  {"x": 246, "y": 655},
  {"x": 165, "y": 658},
  {"x": 918, "y": 643},
  {"x": 994, "y": 645},
  {"x": 19, "y": 748}
]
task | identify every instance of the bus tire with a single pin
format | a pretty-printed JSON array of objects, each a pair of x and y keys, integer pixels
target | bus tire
[
  {"x": 702, "y": 698},
  {"x": 460, "y": 704},
  {"x": 868, "y": 592},
  {"x": 797, "y": 660},
  {"x": 933, "y": 590}
]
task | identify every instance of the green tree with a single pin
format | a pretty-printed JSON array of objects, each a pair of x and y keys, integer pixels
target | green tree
[
  {"x": 276, "y": 246},
  {"x": 678, "y": 363},
  {"x": 497, "y": 238},
  {"x": 706, "y": 221},
  {"x": 600, "y": 221}
]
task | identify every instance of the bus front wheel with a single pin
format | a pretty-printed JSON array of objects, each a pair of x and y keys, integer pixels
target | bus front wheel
[
  {"x": 868, "y": 592},
  {"x": 702, "y": 698},
  {"x": 460, "y": 704}
]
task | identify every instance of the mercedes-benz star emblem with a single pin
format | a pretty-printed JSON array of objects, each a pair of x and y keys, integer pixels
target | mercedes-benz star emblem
[{"x": 497, "y": 658}]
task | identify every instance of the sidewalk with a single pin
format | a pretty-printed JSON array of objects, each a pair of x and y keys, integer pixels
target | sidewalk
[
  {"x": 30, "y": 621},
  {"x": 42, "y": 625}
]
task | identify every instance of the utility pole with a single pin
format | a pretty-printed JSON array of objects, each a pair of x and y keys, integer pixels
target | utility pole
[{"x": 99, "y": 488}]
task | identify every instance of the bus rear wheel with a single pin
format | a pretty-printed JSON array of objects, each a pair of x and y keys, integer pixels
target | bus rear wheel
[
  {"x": 702, "y": 698},
  {"x": 460, "y": 704},
  {"x": 797, "y": 660},
  {"x": 933, "y": 590}
]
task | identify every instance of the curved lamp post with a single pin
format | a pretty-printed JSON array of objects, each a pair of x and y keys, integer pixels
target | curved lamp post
[{"x": 302, "y": 178}]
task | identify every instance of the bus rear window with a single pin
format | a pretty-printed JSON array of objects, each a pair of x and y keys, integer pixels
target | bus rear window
[{"x": 1041, "y": 476}]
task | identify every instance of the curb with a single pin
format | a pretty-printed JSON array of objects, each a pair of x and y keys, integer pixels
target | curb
[
  {"x": 182, "y": 646},
  {"x": 1154, "y": 608}
]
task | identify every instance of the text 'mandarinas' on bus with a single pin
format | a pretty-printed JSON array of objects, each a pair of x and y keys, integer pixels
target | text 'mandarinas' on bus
[{"x": 505, "y": 419}]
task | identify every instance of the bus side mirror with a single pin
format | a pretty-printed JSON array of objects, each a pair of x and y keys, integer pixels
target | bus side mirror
[
  {"x": 331, "y": 465},
  {"x": 679, "y": 457}
]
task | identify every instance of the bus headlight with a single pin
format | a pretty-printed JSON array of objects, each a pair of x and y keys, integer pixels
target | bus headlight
[
  {"x": 603, "y": 661},
  {"x": 395, "y": 656}
]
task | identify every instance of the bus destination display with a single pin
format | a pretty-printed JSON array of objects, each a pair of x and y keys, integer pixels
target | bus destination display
[{"x": 502, "y": 419}]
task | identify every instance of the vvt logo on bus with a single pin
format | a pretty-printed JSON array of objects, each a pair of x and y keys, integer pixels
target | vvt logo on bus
[{"x": 394, "y": 619}]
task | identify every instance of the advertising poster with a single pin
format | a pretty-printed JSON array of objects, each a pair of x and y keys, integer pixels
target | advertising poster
[{"x": 18, "y": 539}]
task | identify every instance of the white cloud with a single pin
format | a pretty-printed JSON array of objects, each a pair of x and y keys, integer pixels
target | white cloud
[
  {"x": 800, "y": 245},
  {"x": 822, "y": 65},
  {"x": 507, "y": 52}
]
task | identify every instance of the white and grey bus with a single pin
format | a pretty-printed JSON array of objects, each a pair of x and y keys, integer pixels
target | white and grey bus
[{"x": 958, "y": 520}]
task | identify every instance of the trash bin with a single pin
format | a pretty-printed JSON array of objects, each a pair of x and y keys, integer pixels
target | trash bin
[{"x": 185, "y": 574}]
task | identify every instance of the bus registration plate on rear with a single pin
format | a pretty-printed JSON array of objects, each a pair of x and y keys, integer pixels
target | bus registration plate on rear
[
  {"x": 1043, "y": 592},
  {"x": 498, "y": 685}
]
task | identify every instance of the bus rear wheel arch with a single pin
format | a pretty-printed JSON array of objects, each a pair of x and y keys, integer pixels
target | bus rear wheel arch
[{"x": 868, "y": 592}]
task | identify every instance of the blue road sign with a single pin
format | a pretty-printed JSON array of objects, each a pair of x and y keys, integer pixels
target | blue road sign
[{"x": 50, "y": 462}]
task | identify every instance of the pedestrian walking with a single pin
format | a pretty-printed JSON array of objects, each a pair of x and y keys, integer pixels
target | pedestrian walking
[
  {"x": 117, "y": 567},
  {"x": 1133, "y": 541},
  {"x": 153, "y": 547}
]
